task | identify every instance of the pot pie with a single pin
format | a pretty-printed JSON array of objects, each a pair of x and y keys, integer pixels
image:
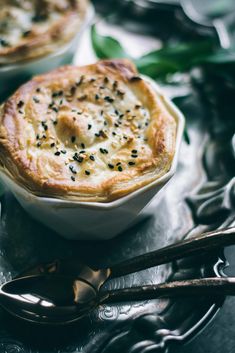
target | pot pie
[
  {"x": 34, "y": 28},
  {"x": 91, "y": 133}
]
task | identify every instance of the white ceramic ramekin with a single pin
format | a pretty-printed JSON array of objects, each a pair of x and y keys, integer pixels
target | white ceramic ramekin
[
  {"x": 13, "y": 75},
  {"x": 93, "y": 220}
]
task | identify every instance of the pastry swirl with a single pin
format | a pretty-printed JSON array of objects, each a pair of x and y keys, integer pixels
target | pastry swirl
[
  {"x": 34, "y": 28},
  {"x": 91, "y": 133}
]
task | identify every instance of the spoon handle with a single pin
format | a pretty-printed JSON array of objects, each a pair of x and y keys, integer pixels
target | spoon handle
[
  {"x": 193, "y": 287},
  {"x": 188, "y": 247}
]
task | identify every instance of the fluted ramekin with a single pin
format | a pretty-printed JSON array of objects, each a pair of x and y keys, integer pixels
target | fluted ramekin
[{"x": 96, "y": 220}]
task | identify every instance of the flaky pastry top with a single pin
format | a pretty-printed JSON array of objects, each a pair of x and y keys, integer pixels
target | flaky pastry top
[
  {"x": 91, "y": 133},
  {"x": 34, "y": 28}
]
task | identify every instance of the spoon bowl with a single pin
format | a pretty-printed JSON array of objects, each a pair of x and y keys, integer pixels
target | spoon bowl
[{"x": 49, "y": 298}]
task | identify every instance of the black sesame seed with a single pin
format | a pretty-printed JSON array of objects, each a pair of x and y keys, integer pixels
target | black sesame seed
[
  {"x": 72, "y": 169},
  {"x": 52, "y": 144},
  {"x": 120, "y": 93},
  {"x": 114, "y": 133},
  {"x": 108, "y": 99},
  {"x": 63, "y": 151},
  {"x": 4, "y": 43},
  {"x": 119, "y": 168},
  {"x": 131, "y": 163},
  {"x": 26, "y": 33},
  {"x": 73, "y": 139},
  {"x": 82, "y": 98},
  {"x": 37, "y": 136},
  {"x": 38, "y": 90},
  {"x": 20, "y": 111},
  {"x": 87, "y": 172},
  {"x": 89, "y": 126},
  {"x": 97, "y": 96},
  {"x": 55, "y": 109},
  {"x": 116, "y": 125},
  {"x": 92, "y": 158},
  {"x": 102, "y": 134},
  {"x": 135, "y": 79},
  {"x": 57, "y": 94},
  {"x": 105, "y": 123},
  {"x": 106, "y": 80},
  {"x": 44, "y": 136},
  {"x": 78, "y": 158},
  {"x": 119, "y": 163},
  {"x": 39, "y": 18},
  {"x": 57, "y": 153},
  {"x": 116, "y": 112},
  {"x": 44, "y": 125},
  {"x": 115, "y": 84},
  {"x": 78, "y": 83},
  {"x": 73, "y": 178},
  {"x": 121, "y": 116},
  {"x": 101, "y": 112},
  {"x": 104, "y": 151},
  {"x": 20, "y": 104},
  {"x": 111, "y": 166},
  {"x": 82, "y": 151},
  {"x": 134, "y": 151},
  {"x": 83, "y": 145},
  {"x": 39, "y": 144},
  {"x": 72, "y": 90},
  {"x": 55, "y": 122},
  {"x": 97, "y": 134},
  {"x": 134, "y": 156}
]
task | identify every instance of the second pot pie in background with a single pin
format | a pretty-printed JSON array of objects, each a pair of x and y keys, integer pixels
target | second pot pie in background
[
  {"x": 33, "y": 28},
  {"x": 92, "y": 133}
]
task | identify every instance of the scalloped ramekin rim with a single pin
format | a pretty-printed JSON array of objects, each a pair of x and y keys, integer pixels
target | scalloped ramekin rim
[{"x": 124, "y": 199}]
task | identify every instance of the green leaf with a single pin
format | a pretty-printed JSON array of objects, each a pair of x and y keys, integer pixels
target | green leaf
[
  {"x": 171, "y": 59},
  {"x": 220, "y": 57},
  {"x": 106, "y": 47}
]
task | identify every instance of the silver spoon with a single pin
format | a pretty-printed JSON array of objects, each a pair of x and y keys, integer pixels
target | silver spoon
[
  {"x": 64, "y": 291},
  {"x": 212, "y": 13},
  {"x": 36, "y": 299}
]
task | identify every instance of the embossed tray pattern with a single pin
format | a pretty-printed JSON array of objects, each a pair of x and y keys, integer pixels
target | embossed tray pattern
[{"x": 200, "y": 197}]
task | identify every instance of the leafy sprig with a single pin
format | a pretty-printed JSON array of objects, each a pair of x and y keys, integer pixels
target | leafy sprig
[{"x": 171, "y": 58}]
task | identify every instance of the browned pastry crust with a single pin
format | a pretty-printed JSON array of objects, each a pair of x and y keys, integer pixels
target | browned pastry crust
[
  {"x": 91, "y": 133},
  {"x": 34, "y": 28}
]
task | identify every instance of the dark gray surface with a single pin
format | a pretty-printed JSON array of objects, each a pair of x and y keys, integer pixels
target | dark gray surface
[
  {"x": 24, "y": 243},
  {"x": 219, "y": 335}
]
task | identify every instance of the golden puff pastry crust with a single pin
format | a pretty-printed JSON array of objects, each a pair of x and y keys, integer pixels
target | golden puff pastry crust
[
  {"x": 91, "y": 133},
  {"x": 34, "y": 28}
]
